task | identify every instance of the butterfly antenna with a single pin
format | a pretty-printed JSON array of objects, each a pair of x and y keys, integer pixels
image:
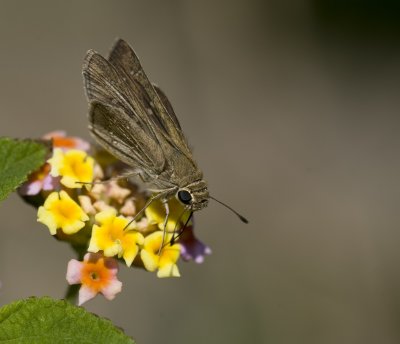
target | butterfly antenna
[{"x": 242, "y": 218}]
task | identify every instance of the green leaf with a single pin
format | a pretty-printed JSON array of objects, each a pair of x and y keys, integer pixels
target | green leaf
[
  {"x": 44, "y": 321},
  {"x": 18, "y": 158}
]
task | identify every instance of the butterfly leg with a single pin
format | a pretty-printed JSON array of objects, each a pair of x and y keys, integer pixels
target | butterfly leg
[
  {"x": 99, "y": 182},
  {"x": 151, "y": 200},
  {"x": 123, "y": 176},
  {"x": 165, "y": 202},
  {"x": 175, "y": 237},
  {"x": 141, "y": 177}
]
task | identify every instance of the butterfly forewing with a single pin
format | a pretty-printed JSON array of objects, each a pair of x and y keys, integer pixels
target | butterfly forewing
[
  {"x": 161, "y": 112},
  {"x": 134, "y": 120},
  {"x": 168, "y": 105},
  {"x": 107, "y": 126},
  {"x": 114, "y": 118}
]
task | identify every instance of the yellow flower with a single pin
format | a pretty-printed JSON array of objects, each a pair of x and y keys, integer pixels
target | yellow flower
[
  {"x": 165, "y": 262},
  {"x": 61, "y": 211},
  {"x": 156, "y": 214},
  {"x": 113, "y": 239},
  {"x": 73, "y": 166}
]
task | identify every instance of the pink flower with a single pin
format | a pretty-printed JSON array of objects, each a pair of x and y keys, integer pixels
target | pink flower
[
  {"x": 97, "y": 274},
  {"x": 39, "y": 180}
]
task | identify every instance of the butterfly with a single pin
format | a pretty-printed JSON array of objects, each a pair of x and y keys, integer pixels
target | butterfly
[{"x": 134, "y": 121}]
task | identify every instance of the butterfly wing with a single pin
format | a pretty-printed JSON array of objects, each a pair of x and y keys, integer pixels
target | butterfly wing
[
  {"x": 118, "y": 118},
  {"x": 127, "y": 145},
  {"x": 168, "y": 106},
  {"x": 133, "y": 120},
  {"x": 124, "y": 58}
]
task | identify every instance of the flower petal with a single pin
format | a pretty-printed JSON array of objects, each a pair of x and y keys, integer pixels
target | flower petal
[
  {"x": 85, "y": 294},
  {"x": 86, "y": 204},
  {"x": 106, "y": 216},
  {"x": 168, "y": 270},
  {"x": 129, "y": 208},
  {"x": 50, "y": 183},
  {"x": 112, "y": 289},
  {"x": 55, "y": 162},
  {"x": 31, "y": 188},
  {"x": 150, "y": 261},
  {"x": 192, "y": 248},
  {"x": 130, "y": 254},
  {"x": 48, "y": 219},
  {"x": 73, "y": 228},
  {"x": 74, "y": 271},
  {"x": 61, "y": 140}
]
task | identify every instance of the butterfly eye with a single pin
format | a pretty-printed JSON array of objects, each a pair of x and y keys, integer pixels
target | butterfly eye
[{"x": 184, "y": 196}]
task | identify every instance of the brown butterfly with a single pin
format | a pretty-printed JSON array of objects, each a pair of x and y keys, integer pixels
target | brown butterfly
[{"x": 133, "y": 120}]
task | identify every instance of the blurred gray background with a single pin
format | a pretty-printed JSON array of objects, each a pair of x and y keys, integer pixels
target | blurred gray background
[{"x": 292, "y": 108}]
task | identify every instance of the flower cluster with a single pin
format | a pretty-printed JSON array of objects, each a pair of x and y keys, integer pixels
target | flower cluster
[{"x": 82, "y": 201}]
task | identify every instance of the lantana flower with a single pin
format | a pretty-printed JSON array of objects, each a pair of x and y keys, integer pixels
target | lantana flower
[
  {"x": 96, "y": 219},
  {"x": 74, "y": 166},
  {"x": 192, "y": 248},
  {"x": 117, "y": 192},
  {"x": 38, "y": 181},
  {"x": 61, "y": 211},
  {"x": 41, "y": 179},
  {"x": 61, "y": 140},
  {"x": 97, "y": 274},
  {"x": 114, "y": 238},
  {"x": 163, "y": 260}
]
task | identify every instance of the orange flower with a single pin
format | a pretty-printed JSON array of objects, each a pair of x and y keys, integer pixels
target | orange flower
[
  {"x": 97, "y": 274},
  {"x": 61, "y": 140}
]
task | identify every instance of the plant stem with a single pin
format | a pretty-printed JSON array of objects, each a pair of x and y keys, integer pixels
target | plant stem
[{"x": 71, "y": 295}]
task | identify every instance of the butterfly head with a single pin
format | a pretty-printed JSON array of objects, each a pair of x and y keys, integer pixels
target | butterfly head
[{"x": 194, "y": 196}]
